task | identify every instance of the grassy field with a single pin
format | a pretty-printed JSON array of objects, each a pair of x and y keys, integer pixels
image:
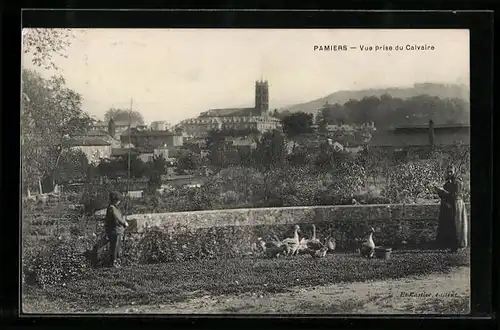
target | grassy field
[{"x": 177, "y": 282}]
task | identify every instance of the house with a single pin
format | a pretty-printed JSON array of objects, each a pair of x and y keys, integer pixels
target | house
[
  {"x": 146, "y": 155},
  {"x": 94, "y": 148},
  {"x": 113, "y": 128},
  {"x": 369, "y": 126},
  {"x": 160, "y": 126},
  {"x": 166, "y": 152},
  {"x": 336, "y": 145},
  {"x": 421, "y": 137},
  {"x": 101, "y": 135},
  {"x": 244, "y": 142},
  {"x": 124, "y": 152},
  {"x": 152, "y": 139}
]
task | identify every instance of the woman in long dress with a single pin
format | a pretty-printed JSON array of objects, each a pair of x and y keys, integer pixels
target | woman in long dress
[{"x": 453, "y": 229}]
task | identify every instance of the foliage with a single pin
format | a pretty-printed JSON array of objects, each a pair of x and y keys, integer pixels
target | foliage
[
  {"x": 60, "y": 263},
  {"x": 297, "y": 123},
  {"x": 119, "y": 166},
  {"x": 329, "y": 157},
  {"x": 157, "y": 168},
  {"x": 41, "y": 44},
  {"x": 412, "y": 181},
  {"x": 271, "y": 151},
  {"x": 235, "y": 186},
  {"x": 122, "y": 116},
  {"x": 300, "y": 157},
  {"x": 188, "y": 161},
  {"x": 217, "y": 147},
  {"x": 73, "y": 167},
  {"x": 174, "y": 282},
  {"x": 387, "y": 111},
  {"x": 95, "y": 196},
  {"x": 49, "y": 110},
  {"x": 375, "y": 161}
]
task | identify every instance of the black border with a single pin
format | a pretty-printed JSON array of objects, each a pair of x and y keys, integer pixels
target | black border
[{"x": 481, "y": 55}]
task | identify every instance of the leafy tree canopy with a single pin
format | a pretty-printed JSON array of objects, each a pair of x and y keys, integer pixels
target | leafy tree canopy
[{"x": 122, "y": 116}]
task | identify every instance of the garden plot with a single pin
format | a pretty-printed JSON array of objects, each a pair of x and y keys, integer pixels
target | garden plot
[{"x": 177, "y": 283}]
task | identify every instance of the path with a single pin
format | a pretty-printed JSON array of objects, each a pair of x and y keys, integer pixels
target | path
[{"x": 446, "y": 293}]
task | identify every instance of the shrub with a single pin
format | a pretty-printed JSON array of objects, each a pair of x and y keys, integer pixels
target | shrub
[
  {"x": 411, "y": 181},
  {"x": 60, "y": 262}
]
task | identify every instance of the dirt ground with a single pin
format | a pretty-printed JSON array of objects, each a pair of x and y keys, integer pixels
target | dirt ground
[{"x": 435, "y": 293}]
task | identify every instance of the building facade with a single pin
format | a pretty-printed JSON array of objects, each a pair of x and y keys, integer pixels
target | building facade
[
  {"x": 94, "y": 148},
  {"x": 441, "y": 136},
  {"x": 256, "y": 118},
  {"x": 152, "y": 139},
  {"x": 160, "y": 126}
]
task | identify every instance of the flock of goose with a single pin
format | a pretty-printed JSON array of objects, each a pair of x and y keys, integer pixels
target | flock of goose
[{"x": 273, "y": 247}]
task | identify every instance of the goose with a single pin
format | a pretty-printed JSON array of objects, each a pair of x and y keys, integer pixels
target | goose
[
  {"x": 368, "y": 247},
  {"x": 276, "y": 251},
  {"x": 318, "y": 253},
  {"x": 293, "y": 243},
  {"x": 310, "y": 244},
  {"x": 270, "y": 242},
  {"x": 331, "y": 244},
  {"x": 313, "y": 243}
]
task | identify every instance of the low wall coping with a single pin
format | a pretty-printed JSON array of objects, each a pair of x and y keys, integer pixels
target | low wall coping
[{"x": 286, "y": 208}]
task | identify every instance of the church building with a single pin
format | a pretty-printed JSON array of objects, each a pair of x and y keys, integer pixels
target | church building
[{"x": 256, "y": 118}]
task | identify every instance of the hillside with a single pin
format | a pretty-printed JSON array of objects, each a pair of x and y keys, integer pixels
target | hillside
[{"x": 431, "y": 89}]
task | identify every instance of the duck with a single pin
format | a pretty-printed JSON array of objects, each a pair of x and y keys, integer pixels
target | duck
[
  {"x": 368, "y": 247},
  {"x": 292, "y": 243}
]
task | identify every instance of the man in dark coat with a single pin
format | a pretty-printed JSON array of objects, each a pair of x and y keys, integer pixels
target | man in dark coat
[{"x": 115, "y": 226}]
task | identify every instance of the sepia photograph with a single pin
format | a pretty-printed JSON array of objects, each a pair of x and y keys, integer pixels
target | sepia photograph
[{"x": 245, "y": 171}]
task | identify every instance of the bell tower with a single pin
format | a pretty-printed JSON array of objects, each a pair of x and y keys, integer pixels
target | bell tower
[{"x": 261, "y": 97}]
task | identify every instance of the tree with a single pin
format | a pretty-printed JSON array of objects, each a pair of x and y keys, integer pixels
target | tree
[
  {"x": 328, "y": 157},
  {"x": 216, "y": 145},
  {"x": 73, "y": 166},
  {"x": 297, "y": 123},
  {"x": 122, "y": 115},
  {"x": 49, "y": 112},
  {"x": 158, "y": 164},
  {"x": 188, "y": 161},
  {"x": 299, "y": 157},
  {"x": 412, "y": 181},
  {"x": 375, "y": 162},
  {"x": 42, "y": 44},
  {"x": 138, "y": 168},
  {"x": 271, "y": 151}
]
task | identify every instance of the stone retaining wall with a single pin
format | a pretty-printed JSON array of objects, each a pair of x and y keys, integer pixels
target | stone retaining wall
[{"x": 288, "y": 216}]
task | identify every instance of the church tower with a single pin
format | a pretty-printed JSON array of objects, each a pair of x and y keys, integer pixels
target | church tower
[{"x": 261, "y": 98}]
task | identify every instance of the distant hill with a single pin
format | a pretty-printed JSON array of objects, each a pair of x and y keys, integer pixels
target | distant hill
[{"x": 432, "y": 89}]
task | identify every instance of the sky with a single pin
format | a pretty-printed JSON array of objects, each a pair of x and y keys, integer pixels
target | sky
[{"x": 174, "y": 74}]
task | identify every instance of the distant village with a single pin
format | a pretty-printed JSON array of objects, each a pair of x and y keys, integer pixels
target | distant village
[{"x": 108, "y": 140}]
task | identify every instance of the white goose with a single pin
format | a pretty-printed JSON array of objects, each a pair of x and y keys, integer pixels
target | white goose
[
  {"x": 368, "y": 247},
  {"x": 310, "y": 244},
  {"x": 293, "y": 243},
  {"x": 331, "y": 244},
  {"x": 314, "y": 243}
]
